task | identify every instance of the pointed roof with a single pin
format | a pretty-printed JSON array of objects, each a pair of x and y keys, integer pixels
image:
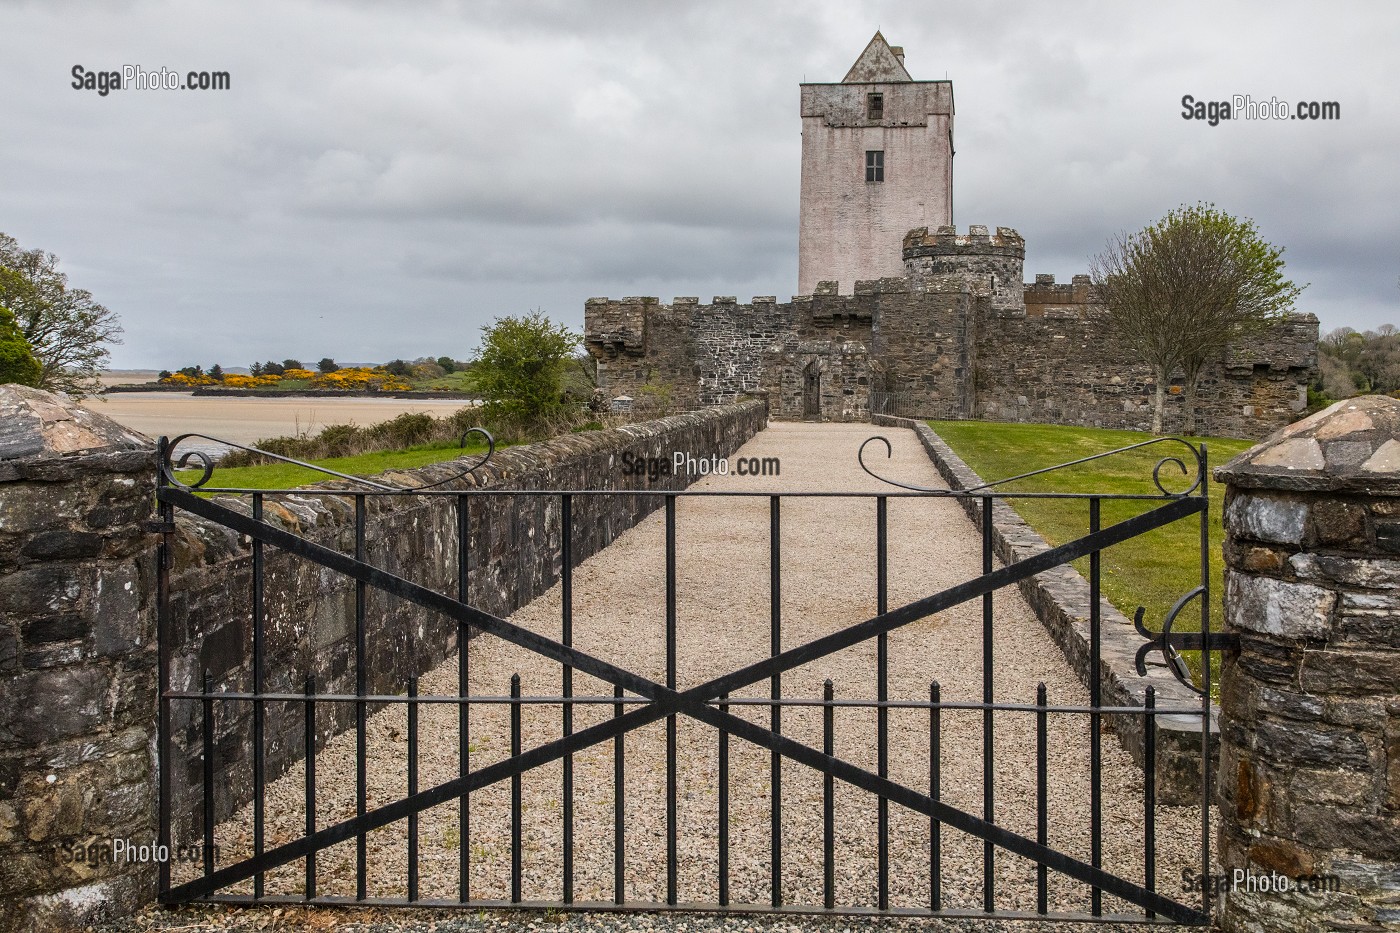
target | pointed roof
[{"x": 877, "y": 63}]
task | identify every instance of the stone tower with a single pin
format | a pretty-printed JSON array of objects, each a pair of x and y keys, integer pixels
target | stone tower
[{"x": 877, "y": 161}]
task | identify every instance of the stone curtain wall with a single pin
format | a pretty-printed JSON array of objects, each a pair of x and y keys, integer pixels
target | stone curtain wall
[
  {"x": 694, "y": 355},
  {"x": 1055, "y": 361},
  {"x": 78, "y": 672},
  {"x": 1309, "y": 782},
  {"x": 77, "y": 661},
  {"x": 1060, "y": 600},
  {"x": 958, "y": 336}
]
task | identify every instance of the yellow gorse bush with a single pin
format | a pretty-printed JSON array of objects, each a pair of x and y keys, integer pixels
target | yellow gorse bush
[{"x": 360, "y": 378}]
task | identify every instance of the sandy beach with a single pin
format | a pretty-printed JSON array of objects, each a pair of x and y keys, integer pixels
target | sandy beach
[{"x": 245, "y": 420}]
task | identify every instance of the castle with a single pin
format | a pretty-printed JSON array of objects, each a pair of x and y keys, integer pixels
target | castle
[{"x": 937, "y": 323}]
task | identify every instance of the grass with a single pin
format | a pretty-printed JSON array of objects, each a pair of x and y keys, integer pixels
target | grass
[
  {"x": 288, "y": 476},
  {"x": 1152, "y": 570}
]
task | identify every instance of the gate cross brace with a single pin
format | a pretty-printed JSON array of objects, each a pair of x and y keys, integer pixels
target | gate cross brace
[{"x": 691, "y": 702}]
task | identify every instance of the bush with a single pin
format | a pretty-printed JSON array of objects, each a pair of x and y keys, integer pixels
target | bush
[
  {"x": 406, "y": 430},
  {"x": 520, "y": 369},
  {"x": 18, "y": 363}
]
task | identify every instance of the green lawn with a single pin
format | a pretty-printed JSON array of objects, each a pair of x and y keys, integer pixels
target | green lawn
[
  {"x": 1152, "y": 570},
  {"x": 289, "y": 476}
]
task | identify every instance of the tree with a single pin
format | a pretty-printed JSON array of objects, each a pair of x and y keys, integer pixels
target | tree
[
  {"x": 273, "y": 368},
  {"x": 17, "y": 362},
  {"x": 327, "y": 365},
  {"x": 255, "y": 370},
  {"x": 1182, "y": 290},
  {"x": 216, "y": 372},
  {"x": 448, "y": 364},
  {"x": 291, "y": 364},
  {"x": 401, "y": 368},
  {"x": 519, "y": 368},
  {"x": 66, "y": 329}
]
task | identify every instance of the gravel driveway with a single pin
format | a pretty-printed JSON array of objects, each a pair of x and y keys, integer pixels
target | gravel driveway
[{"x": 828, "y": 572}]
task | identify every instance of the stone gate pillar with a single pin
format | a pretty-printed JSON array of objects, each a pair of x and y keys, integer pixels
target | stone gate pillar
[
  {"x": 77, "y": 663},
  {"x": 1309, "y": 778}
]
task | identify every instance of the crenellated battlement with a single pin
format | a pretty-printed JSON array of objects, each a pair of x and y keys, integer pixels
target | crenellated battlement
[
  {"x": 978, "y": 241},
  {"x": 945, "y": 251}
]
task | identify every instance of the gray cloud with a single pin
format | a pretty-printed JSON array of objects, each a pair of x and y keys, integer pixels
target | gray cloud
[{"x": 383, "y": 181}]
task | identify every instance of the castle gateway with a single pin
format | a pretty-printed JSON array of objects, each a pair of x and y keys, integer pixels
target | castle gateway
[{"x": 933, "y": 322}]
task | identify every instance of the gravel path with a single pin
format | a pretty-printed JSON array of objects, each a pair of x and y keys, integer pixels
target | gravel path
[{"x": 723, "y": 606}]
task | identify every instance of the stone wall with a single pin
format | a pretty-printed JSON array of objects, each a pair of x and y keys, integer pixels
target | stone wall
[
  {"x": 77, "y": 662},
  {"x": 78, "y": 666},
  {"x": 1060, "y": 599},
  {"x": 686, "y": 354},
  {"x": 1310, "y": 756},
  {"x": 959, "y": 335},
  {"x": 1055, "y": 360}
]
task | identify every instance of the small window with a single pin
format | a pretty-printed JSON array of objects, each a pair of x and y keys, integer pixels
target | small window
[
  {"x": 874, "y": 165},
  {"x": 875, "y": 106}
]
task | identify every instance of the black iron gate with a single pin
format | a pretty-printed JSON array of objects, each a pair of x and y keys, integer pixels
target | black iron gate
[{"x": 638, "y": 701}]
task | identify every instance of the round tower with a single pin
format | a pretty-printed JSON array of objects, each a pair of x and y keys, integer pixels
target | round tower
[{"x": 944, "y": 251}]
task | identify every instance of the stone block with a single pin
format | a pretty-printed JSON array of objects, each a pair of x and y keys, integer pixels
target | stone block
[
  {"x": 1267, "y": 518},
  {"x": 49, "y": 705},
  {"x": 60, "y": 545},
  {"x": 1277, "y": 607},
  {"x": 1311, "y": 746},
  {"x": 1372, "y": 573},
  {"x": 1339, "y": 523},
  {"x": 1350, "y": 672},
  {"x": 1374, "y": 835}
]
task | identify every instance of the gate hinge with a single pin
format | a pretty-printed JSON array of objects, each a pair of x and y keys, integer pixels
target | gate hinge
[
  {"x": 1171, "y": 644},
  {"x": 154, "y": 526}
]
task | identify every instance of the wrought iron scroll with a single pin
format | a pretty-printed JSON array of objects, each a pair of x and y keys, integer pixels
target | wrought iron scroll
[
  {"x": 199, "y": 459},
  {"x": 1197, "y": 457}
]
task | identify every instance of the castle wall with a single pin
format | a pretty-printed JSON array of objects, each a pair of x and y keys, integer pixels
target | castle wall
[
  {"x": 959, "y": 335},
  {"x": 1057, "y": 362},
  {"x": 685, "y": 354},
  {"x": 849, "y": 229},
  {"x": 925, "y": 341}
]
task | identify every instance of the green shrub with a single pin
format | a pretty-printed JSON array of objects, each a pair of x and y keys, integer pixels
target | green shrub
[{"x": 17, "y": 361}]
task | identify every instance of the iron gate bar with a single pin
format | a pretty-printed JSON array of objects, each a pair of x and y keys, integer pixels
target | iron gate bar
[
  {"x": 988, "y": 772},
  {"x": 882, "y": 693},
  {"x": 464, "y": 825},
  {"x": 566, "y": 598},
  {"x": 775, "y": 692},
  {"x": 692, "y": 701},
  {"x": 534, "y": 700},
  {"x": 854, "y": 910},
  {"x": 259, "y": 707},
  {"x": 935, "y": 793},
  {"x": 1095, "y": 720}
]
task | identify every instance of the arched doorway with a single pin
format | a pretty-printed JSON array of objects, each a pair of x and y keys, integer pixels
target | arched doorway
[{"x": 812, "y": 391}]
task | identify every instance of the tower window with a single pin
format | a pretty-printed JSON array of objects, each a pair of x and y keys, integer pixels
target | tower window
[
  {"x": 875, "y": 165},
  {"x": 875, "y": 106}
]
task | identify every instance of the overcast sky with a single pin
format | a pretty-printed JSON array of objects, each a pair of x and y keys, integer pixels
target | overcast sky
[{"x": 381, "y": 180}]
